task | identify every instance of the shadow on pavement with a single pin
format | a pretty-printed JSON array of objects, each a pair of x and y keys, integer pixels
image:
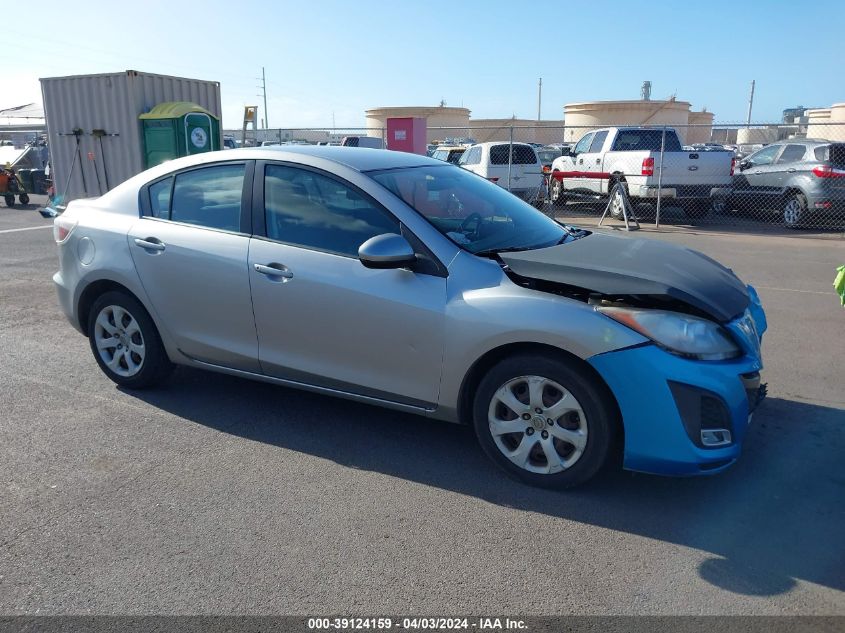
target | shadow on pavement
[{"x": 776, "y": 517}]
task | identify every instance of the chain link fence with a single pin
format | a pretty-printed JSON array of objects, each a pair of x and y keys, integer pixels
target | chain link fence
[{"x": 760, "y": 177}]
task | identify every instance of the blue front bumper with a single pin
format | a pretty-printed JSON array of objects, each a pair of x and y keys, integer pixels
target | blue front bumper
[{"x": 656, "y": 438}]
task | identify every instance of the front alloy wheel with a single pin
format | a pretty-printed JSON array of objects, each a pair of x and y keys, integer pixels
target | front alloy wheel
[
  {"x": 546, "y": 420},
  {"x": 537, "y": 424}
]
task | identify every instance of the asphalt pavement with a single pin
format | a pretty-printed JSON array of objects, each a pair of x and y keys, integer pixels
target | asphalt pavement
[{"x": 216, "y": 495}]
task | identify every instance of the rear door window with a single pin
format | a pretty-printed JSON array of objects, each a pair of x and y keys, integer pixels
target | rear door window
[
  {"x": 792, "y": 153},
  {"x": 598, "y": 142},
  {"x": 209, "y": 197}
]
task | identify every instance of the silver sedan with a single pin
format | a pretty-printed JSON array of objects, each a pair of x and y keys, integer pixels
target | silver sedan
[{"x": 401, "y": 281}]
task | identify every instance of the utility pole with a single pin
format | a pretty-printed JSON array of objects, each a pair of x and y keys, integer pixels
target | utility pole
[
  {"x": 264, "y": 92},
  {"x": 750, "y": 103},
  {"x": 539, "y": 99}
]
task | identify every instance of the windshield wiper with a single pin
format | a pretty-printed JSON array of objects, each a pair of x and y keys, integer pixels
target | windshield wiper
[{"x": 508, "y": 249}]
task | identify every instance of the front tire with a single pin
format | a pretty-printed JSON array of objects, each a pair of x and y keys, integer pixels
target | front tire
[
  {"x": 794, "y": 210},
  {"x": 545, "y": 421},
  {"x": 125, "y": 342},
  {"x": 24, "y": 198}
]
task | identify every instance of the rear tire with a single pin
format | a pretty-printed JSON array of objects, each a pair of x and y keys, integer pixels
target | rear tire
[
  {"x": 616, "y": 199},
  {"x": 126, "y": 343},
  {"x": 9, "y": 198},
  {"x": 24, "y": 198},
  {"x": 571, "y": 427},
  {"x": 794, "y": 210}
]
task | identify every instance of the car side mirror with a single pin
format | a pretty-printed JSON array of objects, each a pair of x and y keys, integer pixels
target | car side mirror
[
  {"x": 744, "y": 164},
  {"x": 387, "y": 251}
]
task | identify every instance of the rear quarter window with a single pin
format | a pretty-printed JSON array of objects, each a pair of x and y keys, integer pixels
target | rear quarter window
[{"x": 833, "y": 153}]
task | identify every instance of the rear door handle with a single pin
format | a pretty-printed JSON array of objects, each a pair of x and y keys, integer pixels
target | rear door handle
[
  {"x": 274, "y": 270},
  {"x": 598, "y": 161},
  {"x": 151, "y": 244},
  {"x": 791, "y": 170}
]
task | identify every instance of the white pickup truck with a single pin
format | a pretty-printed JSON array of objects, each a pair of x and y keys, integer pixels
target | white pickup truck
[{"x": 631, "y": 156}]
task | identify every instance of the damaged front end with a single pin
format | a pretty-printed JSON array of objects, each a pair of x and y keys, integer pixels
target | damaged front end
[{"x": 686, "y": 399}]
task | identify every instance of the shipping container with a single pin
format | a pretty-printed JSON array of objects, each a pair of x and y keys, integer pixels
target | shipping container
[{"x": 112, "y": 103}]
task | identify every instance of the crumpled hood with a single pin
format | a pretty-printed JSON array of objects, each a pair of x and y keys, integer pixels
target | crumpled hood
[{"x": 614, "y": 265}]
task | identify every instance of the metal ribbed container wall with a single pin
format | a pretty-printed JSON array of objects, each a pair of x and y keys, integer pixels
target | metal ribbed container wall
[{"x": 110, "y": 102}]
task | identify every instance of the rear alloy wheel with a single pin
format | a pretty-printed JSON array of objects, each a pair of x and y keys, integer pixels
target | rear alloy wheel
[
  {"x": 544, "y": 421},
  {"x": 125, "y": 342},
  {"x": 794, "y": 210}
]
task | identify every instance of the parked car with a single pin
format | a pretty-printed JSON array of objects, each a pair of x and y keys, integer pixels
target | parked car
[
  {"x": 631, "y": 157},
  {"x": 449, "y": 153},
  {"x": 514, "y": 167},
  {"x": 404, "y": 282},
  {"x": 362, "y": 141},
  {"x": 801, "y": 180}
]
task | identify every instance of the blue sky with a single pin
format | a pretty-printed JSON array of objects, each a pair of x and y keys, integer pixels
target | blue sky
[{"x": 332, "y": 58}]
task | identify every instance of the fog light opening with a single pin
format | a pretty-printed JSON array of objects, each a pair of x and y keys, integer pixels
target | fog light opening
[{"x": 715, "y": 437}]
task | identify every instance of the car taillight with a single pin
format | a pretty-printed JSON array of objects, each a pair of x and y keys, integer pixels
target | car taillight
[
  {"x": 648, "y": 167},
  {"x": 62, "y": 228},
  {"x": 493, "y": 179},
  {"x": 826, "y": 171},
  {"x": 733, "y": 165},
  {"x": 546, "y": 169}
]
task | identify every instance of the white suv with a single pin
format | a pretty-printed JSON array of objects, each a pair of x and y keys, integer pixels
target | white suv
[{"x": 518, "y": 171}]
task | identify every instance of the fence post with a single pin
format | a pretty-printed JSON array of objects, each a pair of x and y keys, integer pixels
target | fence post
[
  {"x": 660, "y": 178},
  {"x": 510, "y": 158}
]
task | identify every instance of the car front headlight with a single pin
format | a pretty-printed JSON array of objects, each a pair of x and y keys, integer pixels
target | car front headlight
[{"x": 680, "y": 334}]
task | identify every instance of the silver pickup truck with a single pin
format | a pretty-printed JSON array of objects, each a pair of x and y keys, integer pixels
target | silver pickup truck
[{"x": 631, "y": 156}]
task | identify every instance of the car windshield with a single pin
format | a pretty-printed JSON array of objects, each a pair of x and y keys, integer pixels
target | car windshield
[
  {"x": 474, "y": 213},
  {"x": 547, "y": 156}
]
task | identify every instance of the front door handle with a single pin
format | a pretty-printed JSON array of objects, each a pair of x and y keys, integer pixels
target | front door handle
[
  {"x": 274, "y": 270},
  {"x": 580, "y": 161},
  {"x": 791, "y": 170},
  {"x": 598, "y": 161},
  {"x": 151, "y": 244}
]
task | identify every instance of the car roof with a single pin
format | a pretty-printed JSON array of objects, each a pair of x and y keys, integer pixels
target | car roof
[
  {"x": 357, "y": 158},
  {"x": 491, "y": 143}
]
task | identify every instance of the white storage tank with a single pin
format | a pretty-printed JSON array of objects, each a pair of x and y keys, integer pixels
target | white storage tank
[
  {"x": 583, "y": 117},
  {"x": 110, "y": 103},
  {"x": 756, "y": 135},
  {"x": 456, "y": 119}
]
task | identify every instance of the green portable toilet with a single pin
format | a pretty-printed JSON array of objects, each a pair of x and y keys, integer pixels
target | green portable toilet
[{"x": 178, "y": 128}]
